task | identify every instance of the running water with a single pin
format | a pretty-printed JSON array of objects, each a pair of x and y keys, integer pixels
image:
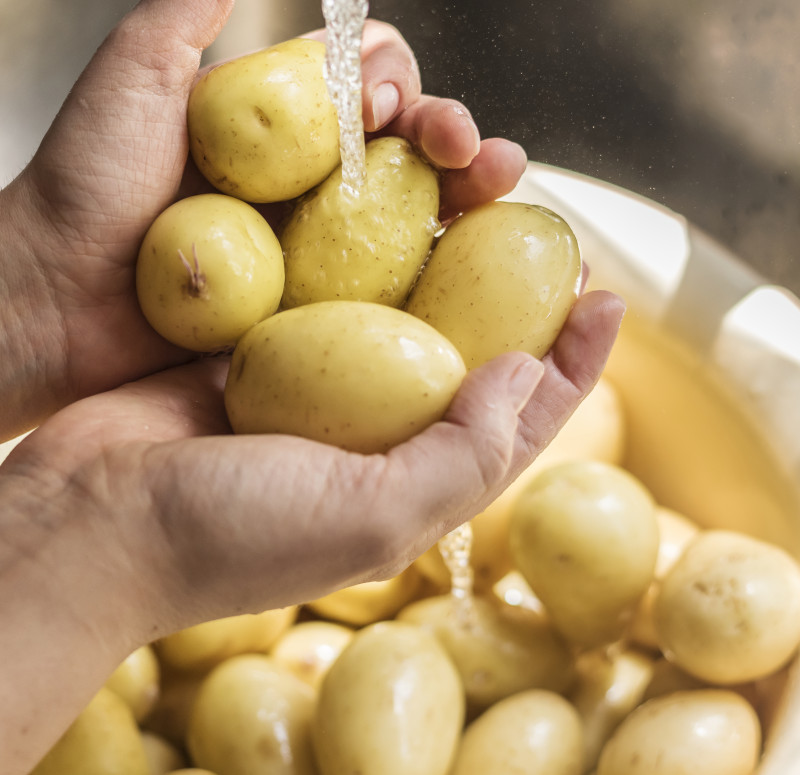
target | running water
[
  {"x": 456, "y": 548},
  {"x": 344, "y": 23}
]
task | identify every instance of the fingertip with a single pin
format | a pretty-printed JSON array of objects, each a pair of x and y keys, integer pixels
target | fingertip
[
  {"x": 449, "y": 136},
  {"x": 384, "y": 104}
]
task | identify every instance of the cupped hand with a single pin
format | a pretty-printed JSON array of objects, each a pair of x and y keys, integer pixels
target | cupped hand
[{"x": 116, "y": 156}]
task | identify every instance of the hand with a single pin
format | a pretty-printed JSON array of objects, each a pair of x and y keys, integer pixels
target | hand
[
  {"x": 133, "y": 513},
  {"x": 116, "y": 157}
]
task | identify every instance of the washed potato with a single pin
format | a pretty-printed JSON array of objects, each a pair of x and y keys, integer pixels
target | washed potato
[
  {"x": 610, "y": 683},
  {"x": 595, "y": 431},
  {"x": 498, "y": 649},
  {"x": 368, "y": 247},
  {"x": 162, "y": 755},
  {"x": 358, "y": 375},
  {"x": 137, "y": 681},
  {"x": 729, "y": 610},
  {"x": 585, "y": 537},
  {"x": 713, "y": 732},
  {"x": 502, "y": 277},
  {"x": 103, "y": 740},
  {"x": 392, "y": 704},
  {"x": 371, "y": 601},
  {"x": 531, "y": 732},
  {"x": 252, "y": 716},
  {"x": 308, "y": 649},
  {"x": 262, "y": 127},
  {"x": 675, "y": 532},
  {"x": 209, "y": 268},
  {"x": 202, "y": 646}
]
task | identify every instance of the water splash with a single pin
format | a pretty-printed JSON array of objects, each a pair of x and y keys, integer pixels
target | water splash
[
  {"x": 456, "y": 550},
  {"x": 344, "y": 23}
]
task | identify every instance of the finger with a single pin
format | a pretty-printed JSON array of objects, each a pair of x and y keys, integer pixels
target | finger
[
  {"x": 442, "y": 129},
  {"x": 493, "y": 173}
]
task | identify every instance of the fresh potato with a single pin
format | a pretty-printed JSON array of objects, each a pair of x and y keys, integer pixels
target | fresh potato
[
  {"x": 585, "y": 537},
  {"x": 209, "y": 268},
  {"x": 308, "y": 649},
  {"x": 729, "y": 610},
  {"x": 370, "y": 601},
  {"x": 368, "y": 247},
  {"x": 358, "y": 375},
  {"x": 137, "y": 681},
  {"x": 262, "y": 127},
  {"x": 202, "y": 646},
  {"x": 531, "y": 732},
  {"x": 713, "y": 732},
  {"x": 392, "y": 704},
  {"x": 252, "y": 716},
  {"x": 504, "y": 276},
  {"x": 675, "y": 532},
  {"x": 498, "y": 649},
  {"x": 610, "y": 684},
  {"x": 103, "y": 740},
  {"x": 162, "y": 755}
]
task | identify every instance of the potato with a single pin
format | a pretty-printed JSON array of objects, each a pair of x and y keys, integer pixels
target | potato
[
  {"x": 209, "y": 268},
  {"x": 370, "y": 601},
  {"x": 585, "y": 537},
  {"x": 675, "y": 531},
  {"x": 498, "y": 649},
  {"x": 262, "y": 127},
  {"x": 162, "y": 756},
  {"x": 713, "y": 732},
  {"x": 368, "y": 247},
  {"x": 504, "y": 276},
  {"x": 202, "y": 646},
  {"x": 358, "y": 375},
  {"x": 532, "y": 732},
  {"x": 308, "y": 649},
  {"x": 137, "y": 680},
  {"x": 729, "y": 610},
  {"x": 103, "y": 740},
  {"x": 610, "y": 684},
  {"x": 252, "y": 716},
  {"x": 392, "y": 704}
]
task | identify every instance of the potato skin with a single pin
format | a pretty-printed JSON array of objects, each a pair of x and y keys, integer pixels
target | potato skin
[
  {"x": 368, "y": 247},
  {"x": 358, "y": 375},
  {"x": 502, "y": 277},
  {"x": 262, "y": 127}
]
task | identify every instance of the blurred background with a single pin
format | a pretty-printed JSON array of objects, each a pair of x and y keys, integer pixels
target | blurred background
[{"x": 693, "y": 103}]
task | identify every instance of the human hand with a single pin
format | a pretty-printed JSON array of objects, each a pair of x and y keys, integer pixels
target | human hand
[{"x": 116, "y": 156}]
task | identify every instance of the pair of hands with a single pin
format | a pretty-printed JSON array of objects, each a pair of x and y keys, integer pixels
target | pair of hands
[{"x": 131, "y": 511}]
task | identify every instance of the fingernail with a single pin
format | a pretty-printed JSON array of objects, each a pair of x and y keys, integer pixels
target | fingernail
[
  {"x": 385, "y": 101},
  {"x": 523, "y": 382}
]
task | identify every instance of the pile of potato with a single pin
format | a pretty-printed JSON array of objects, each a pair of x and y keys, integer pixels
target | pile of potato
[{"x": 607, "y": 635}]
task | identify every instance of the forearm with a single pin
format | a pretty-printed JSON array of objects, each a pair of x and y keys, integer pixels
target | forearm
[
  {"x": 63, "y": 621},
  {"x": 31, "y": 345}
]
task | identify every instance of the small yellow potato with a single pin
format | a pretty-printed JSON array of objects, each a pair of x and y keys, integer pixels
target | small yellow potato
[
  {"x": 729, "y": 610},
  {"x": 202, "y": 646},
  {"x": 192, "y": 771},
  {"x": 209, "y": 268},
  {"x": 514, "y": 590},
  {"x": 103, "y": 740},
  {"x": 170, "y": 717},
  {"x": 252, "y": 716},
  {"x": 536, "y": 732},
  {"x": 368, "y": 247},
  {"x": 392, "y": 704},
  {"x": 609, "y": 685},
  {"x": 308, "y": 649},
  {"x": 371, "y": 601},
  {"x": 707, "y": 731},
  {"x": 358, "y": 375},
  {"x": 675, "y": 532},
  {"x": 262, "y": 127},
  {"x": 585, "y": 537},
  {"x": 502, "y": 277},
  {"x": 162, "y": 756},
  {"x": 497, "y": 649},
  {"x": 137, "y": 681}
]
